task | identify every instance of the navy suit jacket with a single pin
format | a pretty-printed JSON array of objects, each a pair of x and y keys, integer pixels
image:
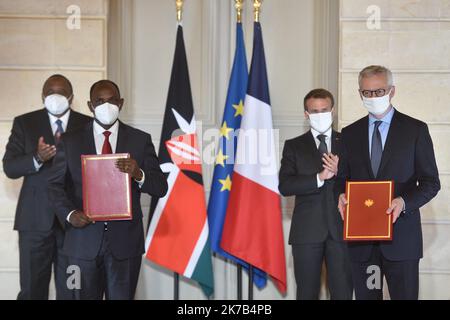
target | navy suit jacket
[
  {"x": 33, "y": 212},
  {"x": 315, "y": 214},
  {"x": 65, "y": 189},
  {"x": 408, "y": 159}
]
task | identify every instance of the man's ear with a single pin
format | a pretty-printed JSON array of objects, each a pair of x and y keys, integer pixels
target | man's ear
[
  {"x": 89, "y": 104},
  {"x": 121, "y": 101},
  {"x": 306, "y": 115},
  {"x": 70, "y": 100},
  {"x": 391, "y": 96}
]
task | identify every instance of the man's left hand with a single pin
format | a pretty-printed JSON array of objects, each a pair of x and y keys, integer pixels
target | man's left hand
[
  {"x": 396, "y": 208},
  {"x": 131, "y": 167}
]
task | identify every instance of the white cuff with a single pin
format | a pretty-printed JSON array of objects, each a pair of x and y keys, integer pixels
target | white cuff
[
  {"x": 320, "y": 183},
  {"x": 37, "y": 166},
  {"x": 68, "y": 216},
  {"x": 141, "y": 182}
]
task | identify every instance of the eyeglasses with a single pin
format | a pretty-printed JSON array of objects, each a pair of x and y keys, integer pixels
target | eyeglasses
[{"x": 375, "y": 93}]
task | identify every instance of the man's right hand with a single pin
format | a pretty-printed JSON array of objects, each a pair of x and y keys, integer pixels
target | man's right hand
[
  {"x": 326, "y": 174},
  {"x": 342, "y": 204},
  {"x": 79, "y": 220},
  {"x": 45, "y": 151}
]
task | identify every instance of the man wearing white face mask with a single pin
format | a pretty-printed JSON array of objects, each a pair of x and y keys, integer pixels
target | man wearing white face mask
[
  {"x": 389, "y": 145},
  {"x": 308, "y": 171},
  {"x": 29, "y": 152},
  {"x": 108, "y": 254}
]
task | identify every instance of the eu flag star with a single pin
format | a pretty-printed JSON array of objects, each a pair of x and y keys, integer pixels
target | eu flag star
[
  {"x": 239, "y": 109},
  {"x": 224, "y": 131},
  {"x": 221, "y": 158},
  {"x": 226, "y": 184}
]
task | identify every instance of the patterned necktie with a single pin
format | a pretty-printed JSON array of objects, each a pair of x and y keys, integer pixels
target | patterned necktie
[
  {"x": 322, "y": 146},
  {"x": 106, "y": 149},
  {"x": 377, "y": 149},
  {"x": 59, "y": 130}
]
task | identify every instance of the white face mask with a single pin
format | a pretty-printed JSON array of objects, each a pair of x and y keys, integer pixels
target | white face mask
[
  {"x": 56, "y": 104},
  {"x": 377, "y": 106},
  {"x": 106, "y": 113},
  {"x": 321, "y": 122}
]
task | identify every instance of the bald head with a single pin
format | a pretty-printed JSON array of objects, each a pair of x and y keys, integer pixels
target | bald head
[
  {"x": 57, "y": 84},
  {"x": 104, "y": 91}
]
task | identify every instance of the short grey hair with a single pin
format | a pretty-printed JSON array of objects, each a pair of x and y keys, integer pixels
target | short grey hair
[{"x": 370, "y": 71}]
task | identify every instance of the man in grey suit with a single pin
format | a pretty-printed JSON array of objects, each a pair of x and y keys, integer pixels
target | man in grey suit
[
  {"x": 308, "y": 170},
  {"x": 29, "y": 152}
]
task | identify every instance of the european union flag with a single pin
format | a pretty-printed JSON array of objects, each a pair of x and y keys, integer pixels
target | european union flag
[{"x": 223, "y": 171}]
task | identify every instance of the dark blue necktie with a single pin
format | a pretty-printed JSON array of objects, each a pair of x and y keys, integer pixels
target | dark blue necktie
[
  {"x": 377, "y": 149},
  {"x": 322, "y": 146},
  {"x": 59, "y": 130}
]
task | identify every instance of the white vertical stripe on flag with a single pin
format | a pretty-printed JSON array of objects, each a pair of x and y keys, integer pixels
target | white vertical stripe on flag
[{"x": 256, "y": 156}]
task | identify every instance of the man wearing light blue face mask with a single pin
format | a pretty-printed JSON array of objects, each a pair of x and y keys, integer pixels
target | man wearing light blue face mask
[
  {"x": 29, "y": 152},
  {"x": 308, "y": 171},
  {"x": 388, "y": 145}
]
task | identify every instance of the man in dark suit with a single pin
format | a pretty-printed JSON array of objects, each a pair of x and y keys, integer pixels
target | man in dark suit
[
  {"x": 308, "y": 170},
  {"x": 108, "y": 254},
  {"x": 388, "y": 145},
  {"x": 29, "y": 152}
]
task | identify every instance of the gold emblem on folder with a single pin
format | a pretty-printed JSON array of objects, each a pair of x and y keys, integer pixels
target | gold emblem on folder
[{"x": 369, "y": 203}]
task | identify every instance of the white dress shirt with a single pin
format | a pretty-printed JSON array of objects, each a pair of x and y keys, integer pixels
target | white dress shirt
[
  {"x": 64, "y": 119},
  {"x": 99, "y": 139},
  {"x": 327, "y": 134}
]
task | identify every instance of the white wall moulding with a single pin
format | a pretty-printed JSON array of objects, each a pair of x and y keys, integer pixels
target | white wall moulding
[{"x": 53, "y": 7}]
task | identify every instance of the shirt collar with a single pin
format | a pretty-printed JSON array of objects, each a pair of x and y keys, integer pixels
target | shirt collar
[
  {"x": 315, "y": 133},
  {"x": 98, "y": 129},
  {"x": 386, "y": 119},
  {"x": 64, "y": 119}
]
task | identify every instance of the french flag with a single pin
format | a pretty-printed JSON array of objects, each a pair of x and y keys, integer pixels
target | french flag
[{"x": 253, "y": 229}]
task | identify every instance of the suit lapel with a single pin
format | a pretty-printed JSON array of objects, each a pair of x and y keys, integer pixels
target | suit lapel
[
  {"x": 122, "y": 139},
  {"x": 311, "y": 145},
  {"x": 47, "y": 131},
  {"x": 88, "y": 140},
  {"x": 334, "y": 143},
  {"x": 365, "y": 146},
  {"x": 392, "y": 140},
  {"x": 73, "y": 121}
]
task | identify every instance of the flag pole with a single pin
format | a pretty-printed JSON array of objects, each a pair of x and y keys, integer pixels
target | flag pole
[
  {"x": 257, "y": 11},
  {"x": 176, "y": 286},
  {"x": 179, "y": 6},
  {"x": 239, "y": 5},
  {"x": 250, "y": 283},
  {"x": 176, "y": 276}
]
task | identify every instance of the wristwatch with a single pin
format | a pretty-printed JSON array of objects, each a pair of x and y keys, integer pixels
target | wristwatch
[{"x": 37, "y": 158}]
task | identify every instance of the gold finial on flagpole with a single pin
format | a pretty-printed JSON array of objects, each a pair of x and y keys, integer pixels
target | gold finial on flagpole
[
  {"x": 179, "y": 5},
  {"x": 257, "y": 9},
  {"x": 238, "y": 5}
]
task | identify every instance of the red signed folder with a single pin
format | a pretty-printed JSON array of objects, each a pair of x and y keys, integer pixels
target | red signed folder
[
  {"x": 365, "y": 218},
  {"x": 106, "y": 190}
]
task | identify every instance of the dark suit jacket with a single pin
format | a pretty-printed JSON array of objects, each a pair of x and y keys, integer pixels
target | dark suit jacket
[
  {"x": 408, "y": 159},
  {"x": 33, "y": 211},
  {"x": 315, "y": 213},
  {"x": 126, "y": 237}
]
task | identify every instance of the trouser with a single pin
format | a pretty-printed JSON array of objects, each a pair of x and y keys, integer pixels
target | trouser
[
  {"x": 308, "y": 260},
  {"x": 38, "y": 251},
  {"x": 105, "y": 276},
  {"x": 402, "y": 277}
]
